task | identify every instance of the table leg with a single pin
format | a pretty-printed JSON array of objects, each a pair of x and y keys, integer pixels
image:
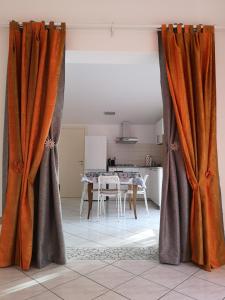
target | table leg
[
  {"x": 130, "y": 196},
  {"x": 90, "y": 198},
  {"x": 135, "y": 187}
]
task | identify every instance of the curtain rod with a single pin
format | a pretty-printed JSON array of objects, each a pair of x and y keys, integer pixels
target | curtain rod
[{"x": 111, "y": 26}]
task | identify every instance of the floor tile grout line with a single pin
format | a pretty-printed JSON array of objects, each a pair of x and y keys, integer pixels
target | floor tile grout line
[
  {"x": 217, "y": 284},
  {"x": 134, "y": 276},
  {"x": 139, "y": 273},
  {"x": 98, "y": 269},
  {"x": 164, "y": 285},
  {"x": 170, "y": 267},
  {"x": 48, "y": 289},
  {"x": 173, "y": 289},
  {"x": 113, "y": 292}
]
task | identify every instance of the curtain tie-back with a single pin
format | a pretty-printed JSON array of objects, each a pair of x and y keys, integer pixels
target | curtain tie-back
[
  {"x": 173, "y": 146},
  {"x": 207, "y": 178},
  {"x": 17, "y": 166},
  {"x": 208, "y": 174},
  {"x": 50, "y": 143}
]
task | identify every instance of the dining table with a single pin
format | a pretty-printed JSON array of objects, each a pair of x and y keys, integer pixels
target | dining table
[{"x": 132, "y": 180}]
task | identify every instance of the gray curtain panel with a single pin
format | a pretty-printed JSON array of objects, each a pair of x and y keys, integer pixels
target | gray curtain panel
[
  {"x": 48, "y": 243},
  {"x": 174, "y": 243}
]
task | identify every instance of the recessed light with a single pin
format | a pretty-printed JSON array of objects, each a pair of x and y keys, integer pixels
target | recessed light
[{"x": 109, "y": 113}]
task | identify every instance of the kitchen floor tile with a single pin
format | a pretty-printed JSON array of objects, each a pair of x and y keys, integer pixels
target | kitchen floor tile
[
  {"x": 110, "y": 276},
  {"x": 201, "y": 289},
  {"x": 141, "y": 289},
  {"x": 81, "y": 288},
  {"x": 165, "y": 276}
]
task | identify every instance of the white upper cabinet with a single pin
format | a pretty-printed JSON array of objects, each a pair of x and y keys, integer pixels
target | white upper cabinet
[{"x": 159, "y": 131}]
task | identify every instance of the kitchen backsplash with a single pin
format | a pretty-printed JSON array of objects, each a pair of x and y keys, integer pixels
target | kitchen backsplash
[{"x": 135, "y": 154}]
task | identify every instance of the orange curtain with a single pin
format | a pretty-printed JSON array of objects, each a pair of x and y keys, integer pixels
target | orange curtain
[
  {"x": 34, "y": 62},
  {"x": 190, "y": 63}
]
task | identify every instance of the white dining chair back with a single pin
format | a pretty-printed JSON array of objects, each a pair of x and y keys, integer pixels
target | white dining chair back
[{"x": 109, "y": 192}]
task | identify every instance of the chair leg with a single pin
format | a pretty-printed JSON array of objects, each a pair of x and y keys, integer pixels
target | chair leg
[
  {"x": 103, "y": 205},
  {"x": 98, "y": 207},
  {"x": 146, "y": 202},
  {"x": 121, "y": 209},
  {"x": 118, "y": 206},
  {"x": 82, "y": 199},
  {"x": 124, "y": 203}
]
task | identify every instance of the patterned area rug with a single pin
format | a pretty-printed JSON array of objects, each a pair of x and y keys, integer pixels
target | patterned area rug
[{"x": 111, "y": 253}]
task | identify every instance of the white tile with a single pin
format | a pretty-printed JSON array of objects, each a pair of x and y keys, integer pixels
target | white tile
[
  {"x": 34, "y": 270},
  {"x": 216, "y": 276},
  {"x": 135, "y": 266},
  {"x": 81, "y": 288},
  {"x": 20, "y": 289},
  {"x": 90, "y": 244},
  {"x": 10, "y": 274},
  {"x": 53, "y": 277},
  {"x": 165, "y": 276},
  {"x": 175, "y": 296},
  {"x": 45, "y": 296},
  {"x": 110, "y": 276},
  {"x": 141, "y": 289},
  {"x": 85, "y": 266},
  {"x": 74, "y": 241},
  {"x": 188, "y": 268},
  {"x": 201, "y": 289},
  {"x": 111, "y": 296}
]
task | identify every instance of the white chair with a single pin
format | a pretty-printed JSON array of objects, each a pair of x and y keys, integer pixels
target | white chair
[
  {"x": 141, "y": 191},
  {"x": 103, "y": 192}
]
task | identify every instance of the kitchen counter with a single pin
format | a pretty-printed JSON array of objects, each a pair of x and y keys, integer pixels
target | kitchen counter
[
  {"x": 134, "y": 166},
  {"x": 154, "y": 183}
]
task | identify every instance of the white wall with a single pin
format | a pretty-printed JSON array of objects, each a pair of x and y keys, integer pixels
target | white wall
[
  {"x": 122, "y": 11},
  {"x": 145, "y": 133},
  {"x": 220, "y": 80},
  {"x": 126, "y": 154}
]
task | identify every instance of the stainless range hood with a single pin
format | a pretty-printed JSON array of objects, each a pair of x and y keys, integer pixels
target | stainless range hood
[{"x": 126, "y": 137}]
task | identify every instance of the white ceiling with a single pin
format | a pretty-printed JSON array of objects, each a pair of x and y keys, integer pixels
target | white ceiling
[{"x": 126, "y": 83}]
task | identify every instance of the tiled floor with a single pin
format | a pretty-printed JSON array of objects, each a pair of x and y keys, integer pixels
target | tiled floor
[
  {"x": 111, "y": 280},
  {"x": 109, "y": 231}
]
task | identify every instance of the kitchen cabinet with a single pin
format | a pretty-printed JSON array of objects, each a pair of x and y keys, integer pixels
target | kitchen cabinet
[{"x": 155, "y": 185}]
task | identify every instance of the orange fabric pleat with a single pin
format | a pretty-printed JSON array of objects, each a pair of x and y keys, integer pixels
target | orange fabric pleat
[
  {"x": 34, "y": 63},
  {"x": 190, "y": 63}
]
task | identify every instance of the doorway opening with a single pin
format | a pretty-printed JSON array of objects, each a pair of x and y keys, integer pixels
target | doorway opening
[{"x": 102, "y": 91}]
